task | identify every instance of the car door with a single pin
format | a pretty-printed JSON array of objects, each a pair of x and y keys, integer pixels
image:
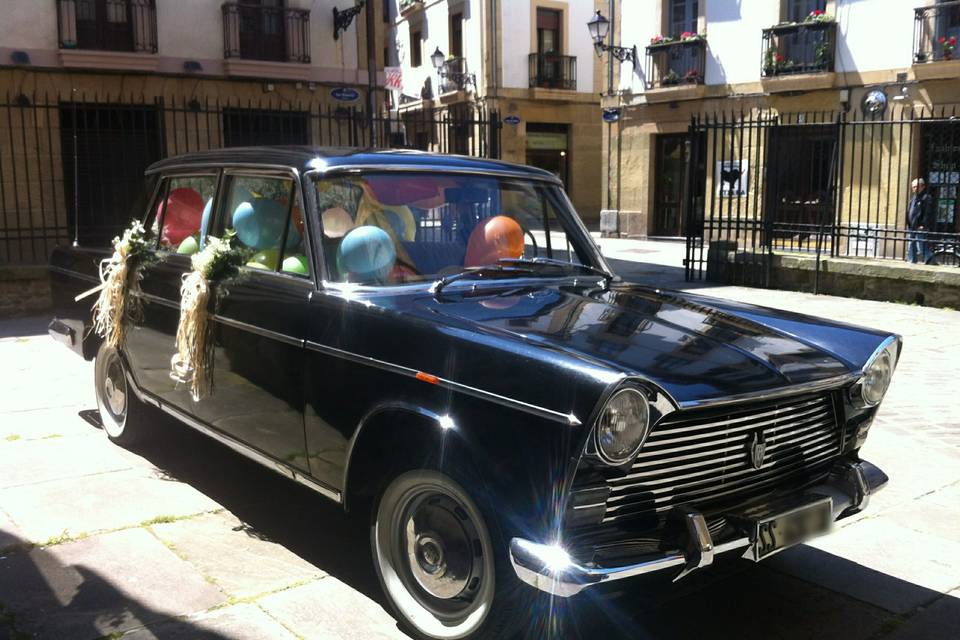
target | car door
[
  {"x": 176, "y": 217},
  {"x": 260, "y": 317}
]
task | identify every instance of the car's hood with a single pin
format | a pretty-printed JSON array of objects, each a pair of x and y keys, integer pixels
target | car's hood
[{"x": 691, "y": 349}]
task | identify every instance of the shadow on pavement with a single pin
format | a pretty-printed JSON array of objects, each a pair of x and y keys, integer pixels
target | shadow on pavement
[
  {"x": 24, "y": 327},
  {"x": 654, "y": 275},
  {"x": 42, "y": 597}
]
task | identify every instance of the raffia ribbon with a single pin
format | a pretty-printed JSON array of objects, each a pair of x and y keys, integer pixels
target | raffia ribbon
[
  {"x": 118, "y": 299},
  {"x": 192, "y": 364}
]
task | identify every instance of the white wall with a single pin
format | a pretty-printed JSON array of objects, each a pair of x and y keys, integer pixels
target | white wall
[
  {"x": 28, "y": 24},
  {"x": 875, "y": 34},
  {"x": 639, "y": 21},
  {"x": 517, "y": 19},
  {"x": 734, "y": 42}
]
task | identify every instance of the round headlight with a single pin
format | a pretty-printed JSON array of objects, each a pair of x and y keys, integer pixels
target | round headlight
[
  {"x": 622, "y": 426},
  {"x": 876, "y": 377}
]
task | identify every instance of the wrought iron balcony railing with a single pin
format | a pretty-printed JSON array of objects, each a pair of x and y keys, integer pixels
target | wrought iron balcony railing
[
  {"x": 936, "y": 32},
  {"x": 255, "y": 32},
  {"x": 802, "y": 47},
  {"x": 552, "y": 71},
  {"x": 109, "y": 25},
  {"x": 410, "y": 5},
  {"x": 676, "y": 62}
]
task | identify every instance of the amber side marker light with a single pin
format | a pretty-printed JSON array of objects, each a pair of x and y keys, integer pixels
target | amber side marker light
[{"x": 426, "y": 377}]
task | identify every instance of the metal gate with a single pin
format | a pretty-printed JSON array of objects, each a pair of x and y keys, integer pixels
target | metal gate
[{"x": 815, "y": 184}]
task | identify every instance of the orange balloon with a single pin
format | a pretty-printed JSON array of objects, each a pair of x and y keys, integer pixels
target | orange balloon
[{"x": 497, "y": 238}]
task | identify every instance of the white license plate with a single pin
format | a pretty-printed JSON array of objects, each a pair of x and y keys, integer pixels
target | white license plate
[{"x": 778, "y": 532}]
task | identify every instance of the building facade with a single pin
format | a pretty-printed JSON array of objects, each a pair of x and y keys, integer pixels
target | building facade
[
  {"x": 530, "y": 62},
  {"x": 93, "y": 91},
  {"x": 827, "y": 108}
]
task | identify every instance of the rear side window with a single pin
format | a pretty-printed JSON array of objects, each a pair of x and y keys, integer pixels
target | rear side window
[
  {"x": 182, "y": 212},
  {"x": 267, "y": 217}
]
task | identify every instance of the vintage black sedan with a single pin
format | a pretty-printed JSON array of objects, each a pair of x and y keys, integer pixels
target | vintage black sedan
[{"x": 437, "y": 342}]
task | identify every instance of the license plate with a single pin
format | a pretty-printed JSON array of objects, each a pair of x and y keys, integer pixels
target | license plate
[{"x": 782, "y": 530}]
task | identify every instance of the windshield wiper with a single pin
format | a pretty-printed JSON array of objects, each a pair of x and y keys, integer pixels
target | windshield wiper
[
  {"x": 554, "y": 262},
  {"x": 493, "y": 271}
]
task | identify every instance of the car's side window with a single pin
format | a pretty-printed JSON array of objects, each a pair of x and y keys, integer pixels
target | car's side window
[
  {"x": 267, "y": 217},
  {"x": 182, "y": 212}
]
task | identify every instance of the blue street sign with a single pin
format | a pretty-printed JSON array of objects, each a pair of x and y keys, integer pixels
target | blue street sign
[
  {"x": 512, "y": 119},
  {"x": 611, "y": 114},
  {"x": 345, "y": 94}
]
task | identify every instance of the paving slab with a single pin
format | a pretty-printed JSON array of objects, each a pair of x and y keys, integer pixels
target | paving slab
[
  {"x": 330, "y": 610},
  {"x": 937, "y": 514},
  {"x": 877, "y": 561},
  {"x": 101, "y": 585},
  {"x": 239, "y": 560},
  {"x": 100, "y": 502},
  {"x": 237, "y": 622},
  {"x": 29, "y": 386},
  {"x": 27, "y": 462},
  {"x": 43, "y": 423},
  {"x": 940, "y": 620},
  {"x": 10, "y": 533}
]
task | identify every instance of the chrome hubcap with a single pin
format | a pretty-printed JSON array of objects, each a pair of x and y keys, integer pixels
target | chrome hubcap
[
  {"x": 442, "y": 549},
  {"x": 115, "y": 389}
]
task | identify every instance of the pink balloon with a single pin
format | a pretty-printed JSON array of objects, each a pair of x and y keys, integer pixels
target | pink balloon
[{"x": 182, "y": 217}]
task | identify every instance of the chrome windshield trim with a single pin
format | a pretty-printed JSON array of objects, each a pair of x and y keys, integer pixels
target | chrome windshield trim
[
  {"x": 550, "y": 414},
  {"x": 770, "y": 394}
]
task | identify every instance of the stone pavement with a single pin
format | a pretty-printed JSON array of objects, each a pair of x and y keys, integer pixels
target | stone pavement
[{"x": 185, "y": 539}]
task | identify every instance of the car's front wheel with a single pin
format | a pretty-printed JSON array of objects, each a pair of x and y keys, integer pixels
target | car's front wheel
[
  {"x": 121, "y": 412},
  {"x": 437, "y": 561}
]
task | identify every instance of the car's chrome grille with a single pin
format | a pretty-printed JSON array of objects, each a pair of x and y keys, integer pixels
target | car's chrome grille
[{"x": 701, "y": 457}]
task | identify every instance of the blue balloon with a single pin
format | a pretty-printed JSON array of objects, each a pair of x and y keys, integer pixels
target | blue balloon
[
  {"x": 366, "y": 254},
  {"x": 205, "y": 221},
  {"x": 259, "y": 224}
]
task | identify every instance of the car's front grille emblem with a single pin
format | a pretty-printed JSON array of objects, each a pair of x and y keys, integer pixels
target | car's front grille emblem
[{"x": 756, "y": 447}]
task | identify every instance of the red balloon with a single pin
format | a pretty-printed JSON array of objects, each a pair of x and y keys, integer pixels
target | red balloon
[{"x": 182, "y": 216}]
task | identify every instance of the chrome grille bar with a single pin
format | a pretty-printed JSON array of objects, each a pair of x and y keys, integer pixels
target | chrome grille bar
[{"x": 702, "y": 457}]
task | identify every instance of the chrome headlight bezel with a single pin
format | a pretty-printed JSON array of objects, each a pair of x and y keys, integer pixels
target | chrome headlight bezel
[
  {"x": 641, "y": 427},
  {"x": 878, "y": 372}
]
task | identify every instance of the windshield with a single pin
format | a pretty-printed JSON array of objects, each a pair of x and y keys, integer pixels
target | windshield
[{"x": 390, "y": 228}]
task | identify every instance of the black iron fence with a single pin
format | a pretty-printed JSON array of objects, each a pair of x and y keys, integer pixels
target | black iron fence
[
  {"x": 553, "y": 71},
  {"x": 256, "y": 32},
  {"x": 804, "y": 47},
  {"x": 672, "y": 62},
  {"x": 71, "y": 167},
  {"x": 936, "y": 32},
  {"x": 820, "y": 184},
  {"x": 107, "y": 25}
]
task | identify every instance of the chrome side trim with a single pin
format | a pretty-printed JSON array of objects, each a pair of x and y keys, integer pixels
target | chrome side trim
[
  {"x": 549, "y": 414},
  {"x": 505, "y": 172},
  {"x": 796, "y": 389},
  {"x": 74, "y": 274},
  {"x": 260, "y": 331},
  {"x": 243, "y": 449}
]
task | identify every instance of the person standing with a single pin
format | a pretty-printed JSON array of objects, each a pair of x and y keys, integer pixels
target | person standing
[{"x": 919, "y": 220}]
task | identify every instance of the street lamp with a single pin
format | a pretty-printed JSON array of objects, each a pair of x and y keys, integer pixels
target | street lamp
[
  {"x": 599, "y": 27},
  {"x": 459, "y": 78}
]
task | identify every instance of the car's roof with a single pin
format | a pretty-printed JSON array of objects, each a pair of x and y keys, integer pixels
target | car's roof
[{"x": 305, "y": 158}]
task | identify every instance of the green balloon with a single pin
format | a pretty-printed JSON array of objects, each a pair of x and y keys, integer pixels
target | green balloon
[
  {"x": 189, "y": 246},
  {"x": 296, "y": 264}
]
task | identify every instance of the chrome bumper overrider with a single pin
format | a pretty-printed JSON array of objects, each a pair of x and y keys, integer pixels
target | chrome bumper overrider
[{"x": 549, "y": 568}]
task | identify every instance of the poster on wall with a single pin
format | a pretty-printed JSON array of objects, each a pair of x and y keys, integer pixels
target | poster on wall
[{"x": 733, "y": 178}]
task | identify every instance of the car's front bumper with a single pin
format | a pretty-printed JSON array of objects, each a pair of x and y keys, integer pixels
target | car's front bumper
[{"x": 549, "y": 568}]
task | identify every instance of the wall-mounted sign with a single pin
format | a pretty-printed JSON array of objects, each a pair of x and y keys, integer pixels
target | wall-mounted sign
[
  {"x": 611, "y": 114},
  {"x": 512, "y": 120},
  {"x": 546, "y": 141},
  {"x": 393, "y": 78},
  {"x": 345, "y": 94},
  {"x": 732, "y": 178}
]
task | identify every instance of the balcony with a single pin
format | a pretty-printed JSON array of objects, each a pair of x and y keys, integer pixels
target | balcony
[
  {"x": 797, "y": 48},
  {"x": 552, "y": 71},
  {"x": 114, "y": 25},
  {"x": 675, "y": 69},
  {"x": 409, "y": 6},
  {"x": 268, "y": 34},
  {"x": 936, "y": 32},
  {"x": 454, "y": 76}
]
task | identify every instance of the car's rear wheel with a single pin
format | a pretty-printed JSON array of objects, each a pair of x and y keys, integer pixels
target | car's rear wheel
[
  {"x": 437, "y": 559},
  {"x": 121, "y": 412}
]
